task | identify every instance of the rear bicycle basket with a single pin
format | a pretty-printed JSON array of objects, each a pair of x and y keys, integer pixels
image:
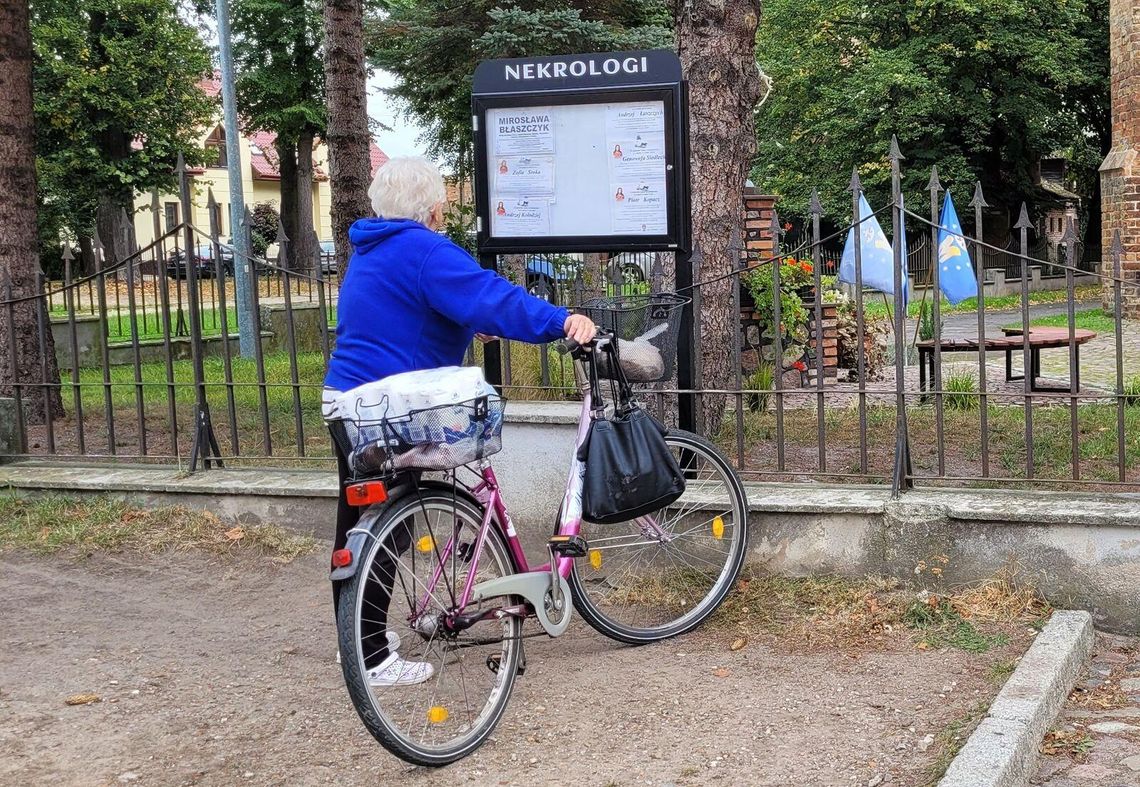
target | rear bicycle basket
[
  {"x": 647, "y": 327},
  {"x": 434, "y": 438}
]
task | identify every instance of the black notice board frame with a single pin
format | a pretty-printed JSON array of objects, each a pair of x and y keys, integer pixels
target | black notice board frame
[{"x": 678, "y": 221}]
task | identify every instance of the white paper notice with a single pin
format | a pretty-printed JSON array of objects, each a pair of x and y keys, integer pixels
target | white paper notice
[
  {"x": 522, "y": 132},
  {"x": 627, "y": 120},
  {"x": 520, "y": 217},
  {"x": 529, "y": 175},
  {"x": 638, "y": 158},
  {"x": 638, "y": 208}
]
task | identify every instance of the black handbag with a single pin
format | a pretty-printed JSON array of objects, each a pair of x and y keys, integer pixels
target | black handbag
[{"x": 629, "y": 469}]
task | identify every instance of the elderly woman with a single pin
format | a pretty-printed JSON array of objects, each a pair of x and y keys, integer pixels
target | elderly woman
[{"x": 413, "y": 300}]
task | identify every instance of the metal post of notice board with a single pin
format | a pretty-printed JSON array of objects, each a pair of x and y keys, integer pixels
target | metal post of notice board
[{"x": 585, "y": 153}]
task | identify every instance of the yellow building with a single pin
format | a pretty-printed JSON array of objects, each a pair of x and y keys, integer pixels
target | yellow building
[{"x": 261, "y": 182}]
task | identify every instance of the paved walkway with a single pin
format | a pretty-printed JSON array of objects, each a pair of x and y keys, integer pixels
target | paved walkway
[{"x": 1096, "y": 741}]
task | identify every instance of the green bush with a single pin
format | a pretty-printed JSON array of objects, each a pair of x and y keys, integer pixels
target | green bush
[
  {"x": 960, "y": 392},
  {"x": 1131, "y": 392},
  {"x": 759, "y": 384}
]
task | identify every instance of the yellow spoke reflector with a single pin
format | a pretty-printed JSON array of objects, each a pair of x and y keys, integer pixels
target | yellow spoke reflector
[
  {"x": 596, "y": 558},
  {"x": 437, "y": 714},
  {"x": 718, "y": 527},
  {"x": 425, "y": 544}
]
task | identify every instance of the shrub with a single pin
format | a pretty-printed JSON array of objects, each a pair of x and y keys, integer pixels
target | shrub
[
  {"x": 759, "y": 383},
  {"x": 1131, "y": 392},
  {"x": 960, "y": 390},
  {"x": 875, "y": 330}
]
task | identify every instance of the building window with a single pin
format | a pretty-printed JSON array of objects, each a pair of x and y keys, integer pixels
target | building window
[
  {"x": 216, "y": 148},
  {"x": 171, "y": 215}
]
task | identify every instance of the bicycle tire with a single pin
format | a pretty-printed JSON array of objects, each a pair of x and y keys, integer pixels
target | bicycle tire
[
  {"x": 607, "y": 626},
  {"x": 348, "y": 612}
]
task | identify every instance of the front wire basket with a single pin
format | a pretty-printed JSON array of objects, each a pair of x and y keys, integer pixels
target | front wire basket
[
  {"x": 648, "y": 328},
  {"x": 434, "y": 438}
]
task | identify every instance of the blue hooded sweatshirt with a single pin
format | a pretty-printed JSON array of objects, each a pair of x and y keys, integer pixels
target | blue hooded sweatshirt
[{"x": 413, "y": 300}]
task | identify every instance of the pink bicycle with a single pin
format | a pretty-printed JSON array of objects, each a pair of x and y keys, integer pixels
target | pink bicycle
[{"x": 435, "y": 569}]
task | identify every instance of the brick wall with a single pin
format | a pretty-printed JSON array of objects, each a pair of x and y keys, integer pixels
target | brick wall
[{"x": 1120, "y": 172}]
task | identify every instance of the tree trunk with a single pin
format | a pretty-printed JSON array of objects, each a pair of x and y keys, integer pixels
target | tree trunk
[
  {"x": 513, "y": 267},
  {"x": 287, "y": 167},
  {"x": 594, "y": 275},
  {"x": 305, "y": 244},
  {"x": 19, "y": 258},
  {"x": 348, "y": 137},
  {"x": 717, "y": 42}
]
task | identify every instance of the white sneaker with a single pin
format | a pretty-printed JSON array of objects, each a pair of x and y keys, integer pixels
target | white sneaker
[{"x": 397, "y": 671}]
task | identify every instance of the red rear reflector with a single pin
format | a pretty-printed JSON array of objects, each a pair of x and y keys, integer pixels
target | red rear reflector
[
  {"x": 365, "y": 493},
  {"x": 341, "y": 558}
]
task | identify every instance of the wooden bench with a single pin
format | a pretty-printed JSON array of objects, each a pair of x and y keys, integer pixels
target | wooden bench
[{"x": 1039, "y": 339}]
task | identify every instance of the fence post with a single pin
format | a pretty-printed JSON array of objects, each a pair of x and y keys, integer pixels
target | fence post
[
  {"x": 73, "y": 334},
  {"x": 934, "y": 187},
  {"x": 1117, "y": 252},
  {"x": 21, "y": 436},
  {"x": 777, "y": 341},
  {"x": 204, "y": 443},
  {"x": 978, "y": 202},
  {"x": 1022, "y": 226},
  {"x": 903, "y": 473},
  {"x": 856, "y": 189},
  {"x": 1069, "y": 240},
  {"x": 821, "y": 428}
]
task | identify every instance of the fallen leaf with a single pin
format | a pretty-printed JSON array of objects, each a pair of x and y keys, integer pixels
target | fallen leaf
[
  {"x": 235, "y": 533},
  {"x": 738, "y": 644},
  {"x": 720, "y": 672},
  {"x": 923, "y": 646},
  {"x": 83, "y": 699}
]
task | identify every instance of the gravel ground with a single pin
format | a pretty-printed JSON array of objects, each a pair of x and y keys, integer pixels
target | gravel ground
[{"x": 220, "y": 671}]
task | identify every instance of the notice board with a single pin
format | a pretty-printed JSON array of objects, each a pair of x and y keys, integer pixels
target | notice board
[{"x": 581, "y": 153}]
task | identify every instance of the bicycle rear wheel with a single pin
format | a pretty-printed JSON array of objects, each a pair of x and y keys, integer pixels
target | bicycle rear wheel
[
  {"x": 656, "y": 577},
  {"x": 420, "y": 536}
]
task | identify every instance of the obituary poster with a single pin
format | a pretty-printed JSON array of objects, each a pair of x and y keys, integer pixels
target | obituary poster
[
  {"x": 639, "y": 208},
  {"x": 526, "y": 175},
  {"x": 522, "y": 132},
  {"x": 523, "y": 217},
  {"x": 637, "y": 158}
]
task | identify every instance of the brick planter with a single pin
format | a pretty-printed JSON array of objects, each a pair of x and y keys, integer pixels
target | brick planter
[{"x": 830, "y": 339}]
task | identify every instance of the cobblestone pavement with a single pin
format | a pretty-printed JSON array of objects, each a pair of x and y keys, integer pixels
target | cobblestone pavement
[{"x": 1096, "y": 740}]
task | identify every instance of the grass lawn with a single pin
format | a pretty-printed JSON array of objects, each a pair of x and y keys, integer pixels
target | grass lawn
[
  {"x": 873, "y": 305},
  {"x": 1096, "y": 320}
]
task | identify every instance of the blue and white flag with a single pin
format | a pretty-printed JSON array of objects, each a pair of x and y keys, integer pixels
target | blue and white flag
[
  {"x": 955, "y": 271},
  {"x": 876, "y": 252}
]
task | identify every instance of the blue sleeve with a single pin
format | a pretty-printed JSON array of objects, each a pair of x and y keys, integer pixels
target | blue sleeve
[{"x": 456, "y": 286}]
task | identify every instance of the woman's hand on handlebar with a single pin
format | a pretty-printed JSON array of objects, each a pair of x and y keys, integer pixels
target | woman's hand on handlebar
[{"x": 580, "y": 329}]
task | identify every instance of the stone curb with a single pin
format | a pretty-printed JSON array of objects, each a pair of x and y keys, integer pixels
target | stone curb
[{"x": 1002, "y": 752}]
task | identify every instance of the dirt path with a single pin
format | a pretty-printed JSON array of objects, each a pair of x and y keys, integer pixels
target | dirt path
[{"x": 220, "y": 672}]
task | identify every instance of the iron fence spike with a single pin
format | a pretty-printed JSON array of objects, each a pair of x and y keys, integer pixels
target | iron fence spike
[
  {"x": 979, "y": 200},
  {"x": 97, "y": 242},
  {"x": 180, "y": 165},
  {"x": 211, "y": 203},
  {"x": 856, "y": 184},
  {"x": 934, "y": 185},
  {"x": 895, "y": 154},
  {"x": 1070, "y": 235},
  {"x": 67, "y": 256},
  {"x": 816, "y": 206},
  {"x": 281, "y": 232},
  {"x": 1117, "y": 243},
  {"x": 1023, "y": 222}
]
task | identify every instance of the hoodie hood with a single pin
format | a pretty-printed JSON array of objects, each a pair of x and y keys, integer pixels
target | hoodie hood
[{"x": 366, "y": 234}]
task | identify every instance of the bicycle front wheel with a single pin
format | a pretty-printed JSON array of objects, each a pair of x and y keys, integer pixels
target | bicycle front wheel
[
  {"x": 446, "y": 691},
  {"x": 659, "y": 576}
]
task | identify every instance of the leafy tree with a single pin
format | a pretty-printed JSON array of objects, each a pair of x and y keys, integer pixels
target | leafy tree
[
  {"x": 109, "y": 74},
  {"x": 24, "y": 360},
  {"x": 433, "y": 48},
  {"x": 982, "y": 88},
  {"x": 264, "y": 227},
  {"x": 277, "y": 50}
]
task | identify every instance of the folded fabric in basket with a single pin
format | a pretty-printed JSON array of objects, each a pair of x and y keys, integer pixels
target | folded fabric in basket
[{"x": 640, "y": 359}]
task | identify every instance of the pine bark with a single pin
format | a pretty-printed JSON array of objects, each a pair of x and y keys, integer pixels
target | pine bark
[
  {"x": 348, "y": 136},
  {"x": 306, "y": 242},
  {"x": 716, "y": 41},
  {"x": 287, "y": 168},
  {"x": 19, "y": 259}
]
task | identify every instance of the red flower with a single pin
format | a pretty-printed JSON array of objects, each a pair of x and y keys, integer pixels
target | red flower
[{"x": 800, "y": 366}]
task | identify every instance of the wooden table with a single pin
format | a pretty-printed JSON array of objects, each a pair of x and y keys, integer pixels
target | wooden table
[{"x": 1039, "y": 339}]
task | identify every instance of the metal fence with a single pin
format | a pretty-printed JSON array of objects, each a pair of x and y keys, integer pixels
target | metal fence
[{"x": 845, "y": 390}]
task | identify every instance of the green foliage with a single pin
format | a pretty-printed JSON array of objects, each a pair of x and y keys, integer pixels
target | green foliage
[
  {"x": 109, "y": 73},
  {"x": 873, "y": 344},
  {"x": 961, "y": 390},
  {"x": 926, "y": 322},
  {"x": 794, "y": 275},
  {"x": 982, "y": 88},
  {"x": 759, "y": 383},
  {"x": 264, "y": 227},
  {"x": 940, "y": 625},
  {"x": 459, "y": 226},
  {"x": 433, "y": 46},
  {"x": 1131, "y": 391},
  {"x": 277, "y": 51}
]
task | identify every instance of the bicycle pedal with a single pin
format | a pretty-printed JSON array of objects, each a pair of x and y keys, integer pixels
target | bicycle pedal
[{"x": 569, "y": 546}]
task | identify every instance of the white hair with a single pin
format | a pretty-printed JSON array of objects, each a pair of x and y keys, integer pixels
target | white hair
[{"x": 407, "y": 187}]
